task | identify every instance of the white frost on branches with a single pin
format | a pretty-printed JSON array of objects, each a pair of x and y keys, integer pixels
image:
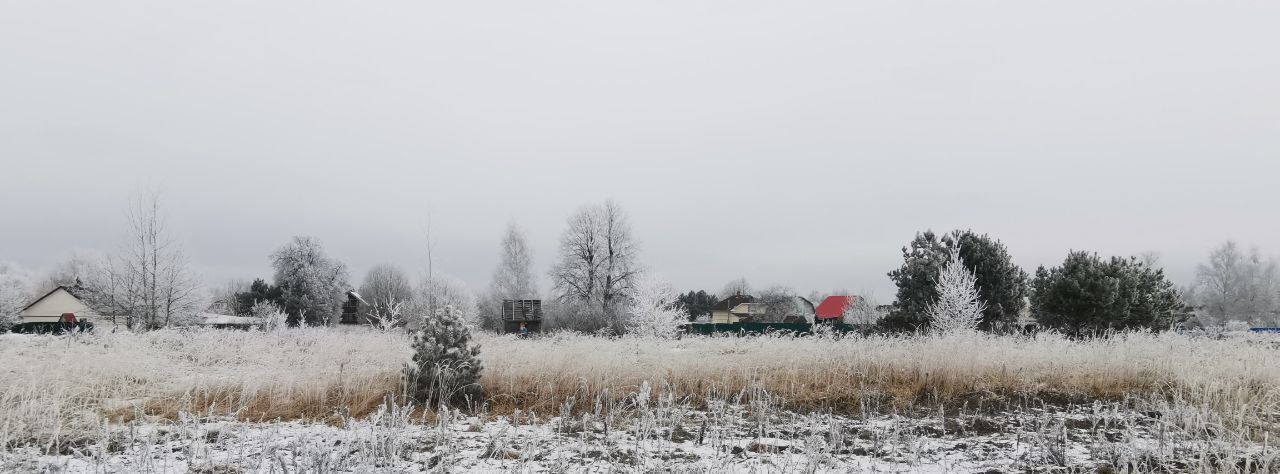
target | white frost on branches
[
  {"x": 15, "y": 292},
  {"x": 959, "y": 307},
  {"x": 653, "y": 311}
]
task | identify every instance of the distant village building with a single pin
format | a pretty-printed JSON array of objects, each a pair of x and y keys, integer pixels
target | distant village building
[
  {"x": 734, "y": 309},
  {"x": 833, "y": 308},
  {"x": 63, "y": 304},
  {"x": 352, "y": 309},
  {"x": 521, "y": 316}
]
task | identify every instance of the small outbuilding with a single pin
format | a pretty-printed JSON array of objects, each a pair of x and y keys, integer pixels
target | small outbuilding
[{"x": 521, "y": 316}]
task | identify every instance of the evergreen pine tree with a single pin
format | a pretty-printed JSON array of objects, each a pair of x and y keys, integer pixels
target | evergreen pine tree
[{"x": 446, "y": 364}]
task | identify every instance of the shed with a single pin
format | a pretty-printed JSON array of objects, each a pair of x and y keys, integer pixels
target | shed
[{"x": 517, "y": 314}]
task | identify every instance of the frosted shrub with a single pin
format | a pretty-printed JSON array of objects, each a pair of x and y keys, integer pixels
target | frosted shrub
[
  {"x": 653, "y": 311},
  {"x": 446, "y": 364},
  {"x": 959, "y": 307},
  {"x": 273, "y": 318}
]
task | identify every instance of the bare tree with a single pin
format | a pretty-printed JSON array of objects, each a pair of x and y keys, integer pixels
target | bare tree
[
  {"x": 388, "y": 291},
  {"x": 1235, "y": 285},
  {"x": 739, "y": 286},
  {"x": 621, "y": 252},
  {"x": 780, "y": 303},
  {"x": 513, "y": 279},
  {"x": 149, "y": 282},
  {"x": 598, "y": 262},
  {"x": 222, "y": 298},
  {"x": 444, "y": 294}
]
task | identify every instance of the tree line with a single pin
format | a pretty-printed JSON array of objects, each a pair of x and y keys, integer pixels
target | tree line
[{"x": 598, "y": 284}]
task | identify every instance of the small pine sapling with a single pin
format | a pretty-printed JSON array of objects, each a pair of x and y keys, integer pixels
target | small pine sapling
[{"x": 445, "y": 370}]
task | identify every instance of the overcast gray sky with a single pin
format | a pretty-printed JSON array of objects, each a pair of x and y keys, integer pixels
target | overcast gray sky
[{"x": 797, "y": 143}]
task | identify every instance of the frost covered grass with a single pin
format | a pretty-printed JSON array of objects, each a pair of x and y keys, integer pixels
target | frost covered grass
[
  {"x": 1168, "y": 396},
  {"x": 54, "y": 389},
  {"x": 849, "y": 375}
]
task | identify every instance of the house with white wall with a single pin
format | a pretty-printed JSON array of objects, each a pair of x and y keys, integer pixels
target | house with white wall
[{"x": 53, "y": 306}]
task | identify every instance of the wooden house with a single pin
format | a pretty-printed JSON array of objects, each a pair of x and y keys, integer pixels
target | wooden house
[{"x": 352, "y": 309}]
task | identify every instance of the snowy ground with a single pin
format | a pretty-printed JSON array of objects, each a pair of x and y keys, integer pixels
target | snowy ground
[{"x": 721, "y": 439}]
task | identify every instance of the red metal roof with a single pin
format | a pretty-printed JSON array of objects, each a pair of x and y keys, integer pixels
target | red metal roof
[{"x": 833, "y": 307}]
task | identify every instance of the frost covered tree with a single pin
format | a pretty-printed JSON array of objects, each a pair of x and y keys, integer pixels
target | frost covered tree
[
  {"x": 273, "y": 317},
  {"x": 15, "y": 293},
  {"x": 311, "y": 283},
  {"x": 959, "y": 306},
  {"x": 1238, "y": 285},
  {"x": 598, "y": 263},
  {"x": 76, "y": 268},
  {"x": 149, "y": 282},
  {"x": 446, "y": 365},
  {"x": 436, "y": 294},
  {"x": 389, "y": 293},
  {"x": 1001, "y": 284},
  {"x": 654, "y": 311},
  {"x": 862, "y": 310},
  {"x": 780, "y": 302},
  {"x": 513, "y": 277}
]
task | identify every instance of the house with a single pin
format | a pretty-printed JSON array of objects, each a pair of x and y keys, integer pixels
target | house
[
  {"x": 521, "y": 316},
  {"x": 833, "y": 308},
  {"x": 63, "y": 304},
  {"x": 351, "y": 309},
  {"x": 736, "y": 308}
]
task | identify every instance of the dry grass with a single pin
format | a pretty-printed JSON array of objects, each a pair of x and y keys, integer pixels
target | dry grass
[
  {"x": 847, "y": 375},
  {"x": 58, "y": 388}
]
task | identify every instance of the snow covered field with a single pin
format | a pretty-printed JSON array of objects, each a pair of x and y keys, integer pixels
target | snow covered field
[
  {"x": 315, "y": 400},
  {"x": 724, "y": 439}
]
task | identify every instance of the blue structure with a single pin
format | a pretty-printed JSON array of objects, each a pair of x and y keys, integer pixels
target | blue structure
[{"x": 1265, "y": 330}]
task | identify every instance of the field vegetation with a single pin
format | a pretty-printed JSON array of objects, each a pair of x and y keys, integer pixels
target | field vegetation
[{"x": 58, "y": 393}]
